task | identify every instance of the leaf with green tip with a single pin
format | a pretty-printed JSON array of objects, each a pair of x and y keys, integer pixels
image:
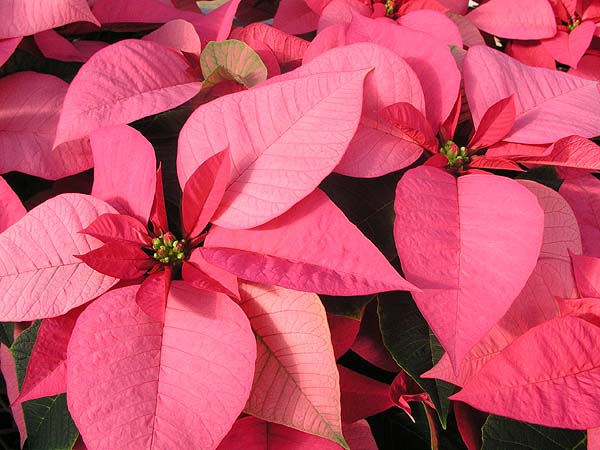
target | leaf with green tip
[
  {"x": 296, "y": 383},
  {"x": 499, "y": 432},
  {"x": 413, "y": 346},
  {"x": 49, "y": 424},
  {"x": 237, "y": 58}
]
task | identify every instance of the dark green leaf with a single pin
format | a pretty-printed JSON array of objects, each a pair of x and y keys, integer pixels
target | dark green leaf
[
  {"x": 7, "y": 331},
  {"x": 21, "y": 349},
  {"x": 369, "y": 204},
  {"x": 500, "y": 433},
  {"x": 49, "y": 424},
  {"x": 352, "y": 307},
  {"x": 413, "y": 346}
]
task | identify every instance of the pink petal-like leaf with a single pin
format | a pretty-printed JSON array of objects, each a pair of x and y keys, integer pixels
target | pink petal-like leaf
[
  {"x": 286, "y": 47},
  {"x": 12, "y": 208},
  {"x": 588, "y": 68},
  {"x": 475, "y": 215},
  {"x": 568, "y": 48},
  {"x": 295, "y": 17},
  {"x": 118, "y": 227},
  {"x": 433, "y": 23},
  {"x": 276, "y": 159},
  {"x": 47, "y": 368},
  {"x": 327, "y": 255},
  {"x": 177, "y": 34},
  {"x": 343, "y": 333},
  {"x": 7, "y": 47},
  {"x": 411, "y": 125},
  {"x": 132, "y": 383},
  {"x": 495, "y": 124},
  {"x": 584, "y": 308},
  {"x": 593, "y": 439},
  {"x": 430, "y": 59},
  {"x": 485, "y": 162},
  {"x": 104, "y": 93},
  {"x": 514, "y": 150},
  {"x": 377, "y": 147},
  {"x": 203, "y": 193},
  {"x": 514, "y": 19},
  {"x": 535, "y": 304},
  {"x": 295, "y": 357},
  {"x": 586, "y": 270},
  {"x": 532, "y": 53},
  {"x": 404, "y": 389},
  {"x": 369, "y": 342},
  {"x": 583, "y": 195},
  {"x": 469, "y": 422},
  {"x": 362, "y": 396},
  {"x": 571, "y": 151},
  {"x": 119, "y": 259},
  {"x": 250, "y": 433},
  {"x": 31, "y": 104},
  {"x": 549, "y": 104},
  {"x": 128, "y": 187},
  {"x": 469, "y": 33},
  {"x": 54, "y": 46},
  {"x": 555, "y": 388},
  {"x": 39, "y": 276},
  {"x": 200, "y": 273},
  {"x": 25, "y": 17},
  {"x": 214, "y": 26},
  {"x": 561, "y": 233}
]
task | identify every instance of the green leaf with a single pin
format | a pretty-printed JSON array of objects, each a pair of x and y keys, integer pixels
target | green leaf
[
  {"x": 369, "y": 204},
  {"x": 351, "y": 307},
  {"x": 21, "y": 349},
  {"x": 413, "y": 346},
  {"x": 231, "y": 60},
  {"x": 49, "y": 424},
  {"x": 500, "y": 433},
  {"x": 7, "y": 331}
]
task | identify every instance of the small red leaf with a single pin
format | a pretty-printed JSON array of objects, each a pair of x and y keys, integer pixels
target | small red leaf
[
  {"x": 198, "y": 272},
  {"x": 496, "y": 123},
  {"x": 203, "y": 192},
  {"x": 153, "y": 293},
  {"x": 12, "y": 208},
  {"x": 119, "y": 259},
  {"x": 118, "y": 227}
]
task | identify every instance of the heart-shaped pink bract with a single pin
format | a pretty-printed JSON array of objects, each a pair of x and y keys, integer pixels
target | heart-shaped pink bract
[
  {"x": 449, "y": 232},
  {"x": 131, "y": 384}
]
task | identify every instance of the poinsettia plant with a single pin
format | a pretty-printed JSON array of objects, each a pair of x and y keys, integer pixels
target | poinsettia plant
[{"x": 303, "y": 225}]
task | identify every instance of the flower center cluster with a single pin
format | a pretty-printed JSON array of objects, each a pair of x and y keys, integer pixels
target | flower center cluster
[
  {"x": 169, "y": 250},
  {"x": 391, "y": 8},
  {"x": 457, "y": 156},
  {"x": 574, "y": 22}
]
